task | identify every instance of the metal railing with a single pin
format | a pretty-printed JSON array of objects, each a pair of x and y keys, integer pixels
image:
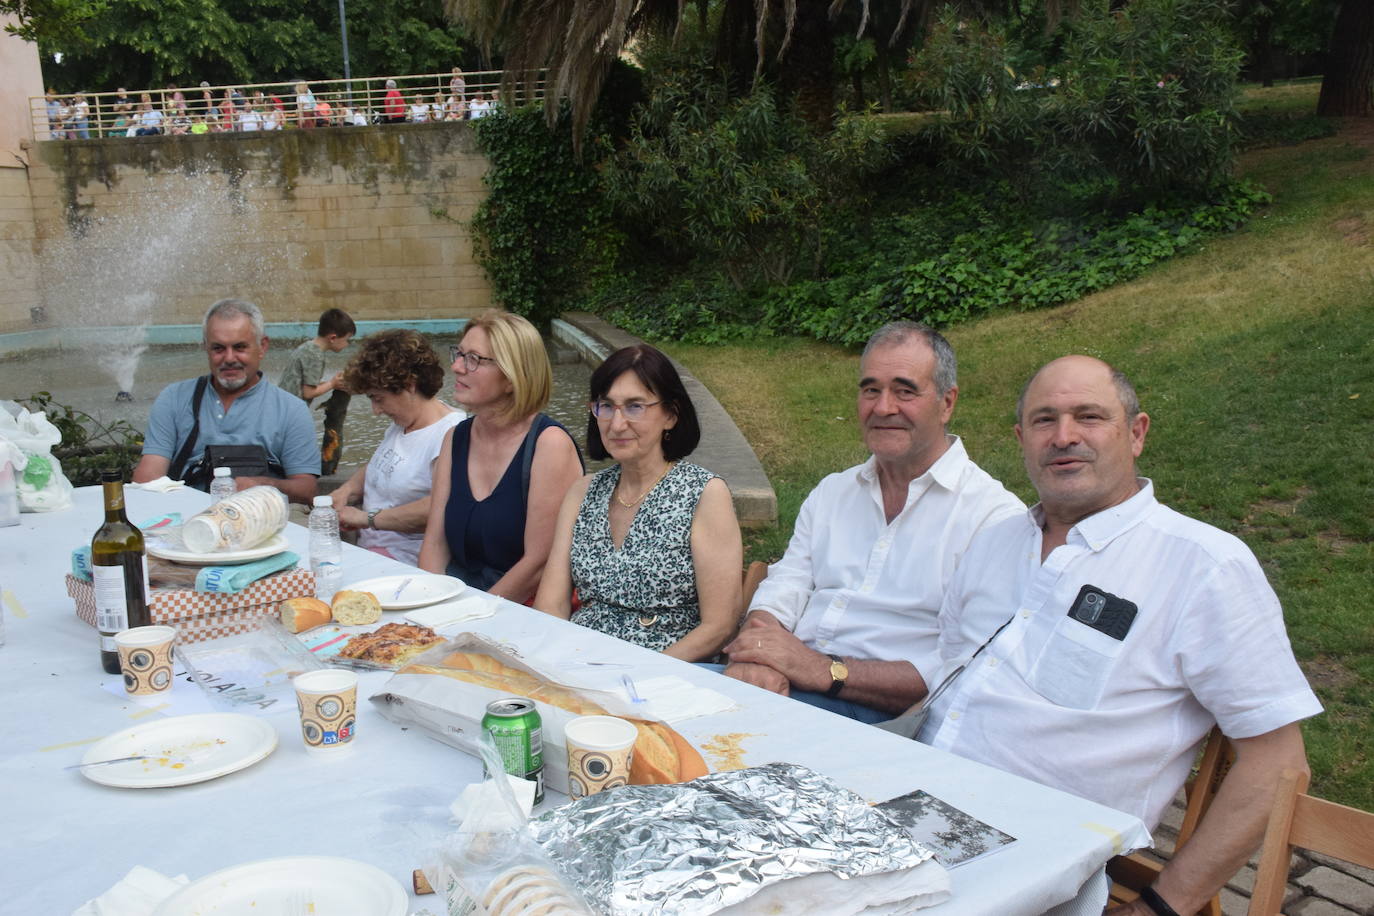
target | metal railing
[{"x": 418, "y": 98}]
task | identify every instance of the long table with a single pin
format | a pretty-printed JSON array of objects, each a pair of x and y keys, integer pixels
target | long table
[{"x": 69, "y": 839}]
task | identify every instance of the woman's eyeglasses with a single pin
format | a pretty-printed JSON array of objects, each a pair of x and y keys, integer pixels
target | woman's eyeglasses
[
  {"x": 471, "y": 361},
  {"x": 635, "y": 410}
]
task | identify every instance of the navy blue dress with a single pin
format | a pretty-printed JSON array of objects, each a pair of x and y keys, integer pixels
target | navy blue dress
[{"x": 486, "y": 538}]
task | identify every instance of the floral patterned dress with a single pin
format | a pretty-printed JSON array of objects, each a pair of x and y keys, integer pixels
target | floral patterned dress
[{"x": 645, "y": 592}]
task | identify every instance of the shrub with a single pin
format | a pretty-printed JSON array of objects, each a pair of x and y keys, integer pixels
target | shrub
[
  {"x": 1142, "y": 102},
  {"x": 542, "y": 226},
  {"x": 741, "y": 183}
]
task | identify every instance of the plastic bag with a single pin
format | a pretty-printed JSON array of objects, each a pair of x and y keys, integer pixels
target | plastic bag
[
  {"x": 492, "y": 866},
  {"x": 26, "y": 442}
]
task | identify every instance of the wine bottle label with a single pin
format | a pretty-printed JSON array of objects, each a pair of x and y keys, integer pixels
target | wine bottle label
[
  {"x": 107, "y": 643},
  {"x": 111, "y": 609}
]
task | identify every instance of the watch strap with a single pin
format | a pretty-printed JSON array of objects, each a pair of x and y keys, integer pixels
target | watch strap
[
  {"x": 836, "y": 684},
  {"x": 1150, "y": 897},
  {"x": 372, "y": 518}
]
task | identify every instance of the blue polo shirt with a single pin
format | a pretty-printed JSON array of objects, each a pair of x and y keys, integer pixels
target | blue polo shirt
[{"x": 263, "y": 415}]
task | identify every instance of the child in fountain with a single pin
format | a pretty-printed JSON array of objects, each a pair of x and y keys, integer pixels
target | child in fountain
[{"x": 304, "y": 377}]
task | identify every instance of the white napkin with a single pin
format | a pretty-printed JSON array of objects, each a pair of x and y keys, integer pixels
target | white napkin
[
  {"x": 163, "y": 484},
  {"x": 137, "y": 894},
  {"x": 674, "y": 699},
  {"x": 472, "y": 606}
]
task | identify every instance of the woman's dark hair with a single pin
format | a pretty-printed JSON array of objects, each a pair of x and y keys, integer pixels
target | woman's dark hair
[
  {"x": 393, "y": 361},
  {"x": 658, "y": 374}
]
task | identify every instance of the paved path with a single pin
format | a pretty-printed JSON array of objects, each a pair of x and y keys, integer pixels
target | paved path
[{"x": 1317, "y": 885}]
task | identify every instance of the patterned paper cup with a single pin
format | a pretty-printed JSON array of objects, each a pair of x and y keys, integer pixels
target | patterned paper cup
[
  {"x": 145, "y": 658},
  {"x": 600, "y": 749},
  {"x": 328, "y": 703}
]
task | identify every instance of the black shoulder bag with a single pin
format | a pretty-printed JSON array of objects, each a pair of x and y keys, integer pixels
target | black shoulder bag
[{"x": 242, "y": 460}]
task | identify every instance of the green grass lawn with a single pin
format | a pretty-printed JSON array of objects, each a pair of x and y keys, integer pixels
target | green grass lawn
[{"x": 1254, "y": 356}]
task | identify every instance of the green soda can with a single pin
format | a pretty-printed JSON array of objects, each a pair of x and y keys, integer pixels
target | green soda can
[{"x": 518, "y": 733}]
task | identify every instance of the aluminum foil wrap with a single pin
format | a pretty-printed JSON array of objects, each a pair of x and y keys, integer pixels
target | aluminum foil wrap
[{"x": 700, "y": 846}]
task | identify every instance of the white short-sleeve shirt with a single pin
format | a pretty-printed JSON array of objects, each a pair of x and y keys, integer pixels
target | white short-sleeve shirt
[
  {"x": 853, "y": 584},
  {"x": 1113, "y": 720},
  {"x": 400, "y": 472}
]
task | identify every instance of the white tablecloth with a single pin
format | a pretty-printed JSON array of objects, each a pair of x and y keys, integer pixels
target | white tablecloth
[{"x": 68, "y": 839}]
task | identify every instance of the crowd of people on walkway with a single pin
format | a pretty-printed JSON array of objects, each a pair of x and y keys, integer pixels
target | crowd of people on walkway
[{"x": 174, "y": 111}]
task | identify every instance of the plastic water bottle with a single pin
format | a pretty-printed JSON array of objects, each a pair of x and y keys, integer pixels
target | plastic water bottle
[
  {"x": 222, "y": 485},
  {"x": 326, "y": 552}
]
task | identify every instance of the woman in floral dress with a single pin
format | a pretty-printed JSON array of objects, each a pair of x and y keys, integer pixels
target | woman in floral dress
[{"x": 651, "y": 544}]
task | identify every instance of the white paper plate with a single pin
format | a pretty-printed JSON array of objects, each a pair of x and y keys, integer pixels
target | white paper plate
[
  {"x": 275, "y": 545},
  {"x": 400, "y": 593},
  {"x": 300, "y": 884},
  {"x": 185, "y": 749}
]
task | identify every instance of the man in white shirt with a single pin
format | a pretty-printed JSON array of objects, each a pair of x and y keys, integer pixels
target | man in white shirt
[
  {"x": 1114, "y": 633},
  {"x": 843, "y": 615}
]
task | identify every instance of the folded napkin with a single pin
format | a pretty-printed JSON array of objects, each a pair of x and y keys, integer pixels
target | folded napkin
[
  {"x": 473, "y": 606},
  {"x": 674, "y": 699},
  {"x": 137, "y": 894},
  {"x": 163, "y": 484},
  {"x": 226, "y": 580}
]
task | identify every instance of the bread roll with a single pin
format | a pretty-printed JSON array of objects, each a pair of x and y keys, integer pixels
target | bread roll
[
  {"x": 661, "y": 755},
  {"x": 355, "y": 608},
  {"x": 299, "y": 614}
]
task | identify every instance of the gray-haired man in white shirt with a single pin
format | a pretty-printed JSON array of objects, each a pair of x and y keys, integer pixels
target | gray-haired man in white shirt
[
  {"x": 1103, "y": 634},
  {"x": 841, "y": 617}
]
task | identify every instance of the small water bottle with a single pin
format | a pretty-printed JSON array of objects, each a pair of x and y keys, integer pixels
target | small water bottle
[
  {"x": 222, "y": 485},
  {"x": 326, "y": 552}
]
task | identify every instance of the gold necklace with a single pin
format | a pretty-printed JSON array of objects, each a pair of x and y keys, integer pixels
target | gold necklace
[{"x": 640, "y": 498}]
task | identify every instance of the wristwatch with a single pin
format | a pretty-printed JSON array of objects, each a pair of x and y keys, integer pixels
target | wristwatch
[
  {"x": 372, "y": 518},
  {"x": 839, "y": 673}
]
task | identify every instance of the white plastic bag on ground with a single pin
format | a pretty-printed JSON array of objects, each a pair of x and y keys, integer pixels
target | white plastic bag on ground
[{"x": 26, "y": 441}]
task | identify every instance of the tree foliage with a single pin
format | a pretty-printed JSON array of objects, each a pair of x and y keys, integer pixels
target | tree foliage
[{"x": 146, "y": 43}]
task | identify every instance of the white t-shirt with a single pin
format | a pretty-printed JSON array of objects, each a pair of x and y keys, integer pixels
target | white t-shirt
[
  {"x": 419, "y": 113},
  {"x": 250, "y": 120},
  {"x": 399, "y": 473},
  {"x": 851, "y": 583},
  {"x": 1113, "y": 720}
]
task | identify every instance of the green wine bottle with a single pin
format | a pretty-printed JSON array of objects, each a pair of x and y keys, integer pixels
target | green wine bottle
[{"x": 120, "y": 570}]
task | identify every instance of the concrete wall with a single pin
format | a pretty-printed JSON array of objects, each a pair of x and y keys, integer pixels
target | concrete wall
[
  {"x": 369, "y": 219},
  {"x": 20, "y": 77}
]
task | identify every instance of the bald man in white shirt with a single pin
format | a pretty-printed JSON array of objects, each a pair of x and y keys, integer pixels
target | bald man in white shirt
[
  {"x": 841, "y": 617},
  {"x": 1102, "y": 635}
]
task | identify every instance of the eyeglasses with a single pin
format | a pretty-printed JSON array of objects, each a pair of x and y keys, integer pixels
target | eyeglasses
[
  {"x": 635, "y": 410},
  {"x": 471, "y": 361}
]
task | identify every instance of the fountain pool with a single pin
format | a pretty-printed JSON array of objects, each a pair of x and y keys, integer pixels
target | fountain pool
[{"x": 86, "y": 385}]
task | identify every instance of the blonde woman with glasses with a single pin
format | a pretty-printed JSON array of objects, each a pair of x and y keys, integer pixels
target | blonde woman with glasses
[{"x": 502, "y": 473}]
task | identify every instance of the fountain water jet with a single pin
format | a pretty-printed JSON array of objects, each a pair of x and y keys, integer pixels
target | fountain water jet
[{"x": 196, "y": 231}]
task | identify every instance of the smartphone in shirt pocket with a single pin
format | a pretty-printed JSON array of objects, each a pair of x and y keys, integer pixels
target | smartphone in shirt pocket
[{"x": 1078, "y": 658}]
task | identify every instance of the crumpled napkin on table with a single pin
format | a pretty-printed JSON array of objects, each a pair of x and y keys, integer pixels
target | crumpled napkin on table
[
  {"x": 137, "y": 894},
  {"x": 163, "y": 484}
]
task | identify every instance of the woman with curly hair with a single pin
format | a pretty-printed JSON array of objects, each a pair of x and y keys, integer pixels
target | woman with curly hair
[{"x": 387, "y": 501}]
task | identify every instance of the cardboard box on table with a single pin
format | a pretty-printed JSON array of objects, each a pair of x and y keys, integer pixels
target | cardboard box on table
[{"x": 199, "y": 616}]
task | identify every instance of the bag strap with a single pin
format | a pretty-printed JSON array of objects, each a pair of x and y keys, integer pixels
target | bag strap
[
  {"x": 179, "y": 462},
  {"x": 527, "y": 453},
  {"x": 527, "y": 457}
]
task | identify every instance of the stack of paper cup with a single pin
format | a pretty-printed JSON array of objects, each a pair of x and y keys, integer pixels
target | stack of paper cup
[{"x": 237, "y": 522}]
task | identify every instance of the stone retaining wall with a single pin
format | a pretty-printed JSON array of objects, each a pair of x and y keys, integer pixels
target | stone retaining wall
[
  {"x": 369, "y": 219},
  {"x": 18, "y": 264}
]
